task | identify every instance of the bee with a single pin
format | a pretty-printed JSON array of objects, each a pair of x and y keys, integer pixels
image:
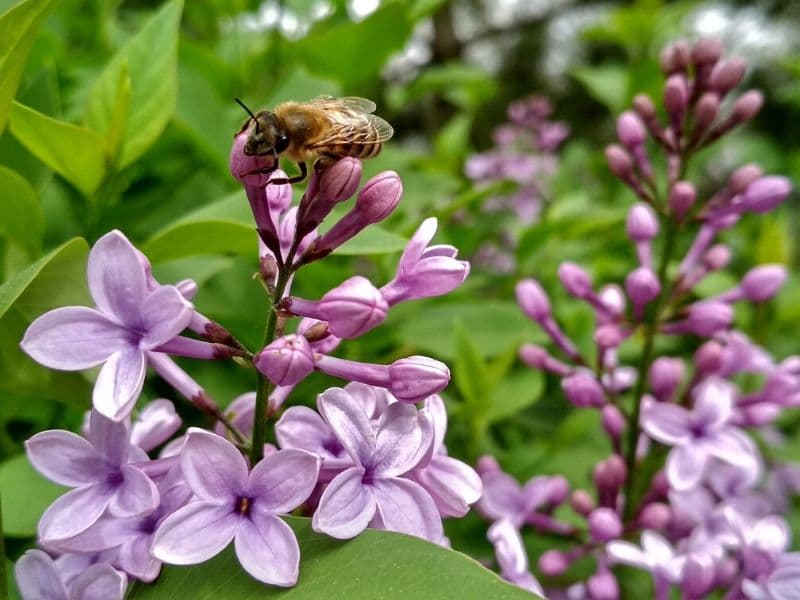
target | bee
[{"x": 325, "y": 129}]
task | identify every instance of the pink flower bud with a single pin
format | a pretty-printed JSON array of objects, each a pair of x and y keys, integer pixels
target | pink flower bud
[
  {"x": 706, "y": 111},
  {"x": 727, "y": 74},
  {"x": 619, "y": 162},
  {"x": 676, "y": 96},
  {"x": 613, "y": 420},
  {"x": 763, "y": 282},
  {"x": 415, "y": 378},
  {"x": 675, "y": 57},
  {"x": 603, "y": 586},
  {"x": 766, "y": 193},
  {"x": 642, "y": 286},
  {"x": 644, "y": 107},
  {"x": 553, "y": 562},
  {"x": 641, "y": 224},
  {"x": 559, "y": 490},
  {"x": 655, "y": 516},
  {"x": 704, "y": 319},
  {"x": 604, "y": 524},
  {"x": 743, "y": 177},
  {"x": 538, "y": 358},
  {"x": 487, "y": 464},
  {"x": 242, "y": 167},
  {"x": 708, "y": 358},
  {"x": 706, "y": 51},
  {"x": 339, "y": 181},
  {"x": 630, "y": 130},
  {"x": 286, "y": 361},
  {"x": 698, "y": 575},
  {"x": 352, "y": 308},
  {"x": 575, "y": 280},
  {"x": 379, "y": 196},
  {"x": 681, "y": 198},
  {"x": 747, "y": 106},
  {"x": 609, "y": 336},
  {"x": 583, "y": 390},
  {"x": 610, "y": 474},
  {"x": 582, "y": 502},
  {"x": 665, "y": 376},
  {"x": 533, "y": 300},
  {"x": 717, "y": 257}
]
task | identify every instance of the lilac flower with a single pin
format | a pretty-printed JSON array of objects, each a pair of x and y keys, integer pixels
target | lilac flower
[
  {"x": 130, "y": 321},
  {"x": 98, "y": 469},
  {"x": 656, "y": 556},
  {"x": 155, "y": 424},
  {"x": 425, "y": 271},
  {"x": 504, "y": 498},
  {"x": 452, "y": 484},
  {"x": 373, "y": 492},
  {"x": 699, "y": 434},
  {"x": 39, "y": 578},
  {"x": 511, "y": 556},
  {"x": 781, "y": 584},
  {"x": 235, "y": 505}
]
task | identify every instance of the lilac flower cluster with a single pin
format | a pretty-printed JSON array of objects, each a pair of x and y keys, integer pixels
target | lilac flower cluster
[
  {"x": 709, "y": 519},
  {"x": 367, "y": 458}
]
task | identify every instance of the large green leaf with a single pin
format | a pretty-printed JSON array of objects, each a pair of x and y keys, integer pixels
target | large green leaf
[
  {"x": 373, "y": 240},
  {"x": 21, "y": 218},
  {"x": 74, "y": 152},
  {"x": 376, "y": 564},
  {"x": 54, "y": 280},
  {"x": 18, "y": 27},
  {"x": 146, "y": 66},
  {"x": 25, "y": 496}
]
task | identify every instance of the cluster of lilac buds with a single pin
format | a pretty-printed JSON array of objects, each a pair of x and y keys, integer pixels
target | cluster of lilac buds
[
  {"x": 526, "y": 153},
  {"x": 685, "y": 494},
  {"x": 367, "y": 458}
]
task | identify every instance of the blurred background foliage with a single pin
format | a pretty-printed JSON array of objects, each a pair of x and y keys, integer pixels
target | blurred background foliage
[{"x": 124, "y": 115}]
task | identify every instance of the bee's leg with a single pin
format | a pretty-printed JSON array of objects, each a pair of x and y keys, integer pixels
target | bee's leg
[
  {"x": 323, "y": 162},
  {"x": 295, "y": 179}
]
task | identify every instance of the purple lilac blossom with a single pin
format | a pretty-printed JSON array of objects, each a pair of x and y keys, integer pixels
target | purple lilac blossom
[{"x": 39, "y": 578}]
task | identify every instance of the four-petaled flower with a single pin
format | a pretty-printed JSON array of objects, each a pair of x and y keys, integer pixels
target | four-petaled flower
[{"x": 39, "y": 578}]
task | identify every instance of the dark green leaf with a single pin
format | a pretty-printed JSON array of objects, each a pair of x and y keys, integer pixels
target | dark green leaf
[
  {"x": 515, "y": 393},
  {"x": 21, "y": 218},
  {"x": 376, "y": 564},
  {"x": 25, "y": 496},
  {"x": 469, "y": 370},
  {"x": 608, "y": 84},
  {"x": 373, "y": 240}
]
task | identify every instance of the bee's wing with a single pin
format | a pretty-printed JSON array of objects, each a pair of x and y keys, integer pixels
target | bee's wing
[
  {"x": 351, "y": 122},
  {"x": 348, "y": 103}
]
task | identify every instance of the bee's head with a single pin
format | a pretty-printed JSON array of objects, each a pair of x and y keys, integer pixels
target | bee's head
[{"x": 265, "y": 134}]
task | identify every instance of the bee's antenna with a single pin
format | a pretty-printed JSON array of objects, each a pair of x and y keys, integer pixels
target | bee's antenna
[{"x": 247, "y": 110}]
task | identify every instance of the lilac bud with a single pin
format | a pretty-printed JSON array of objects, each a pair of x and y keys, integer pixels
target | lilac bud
[
  {"x": 703, "y": 318},
  {"x": 553, "y": 562},
  {"x": 609, "y": 336},
  {"x": 619, "y": 162},
  {"x": 644, "y": 107},
  {"x": 286, "y": 361},
  {"x": 582, "y": 502},
  {"x": 742, "y": 177},
  {"x": 610, "y": 474},
  {"x": 630, "y": 129},
  {"x": 675, "y": 57},
  {"x": 559, "y": 490},
  {"x": 698, "y": 576},
  {"x": 706, "y": 51},
  {"x": 379, "y": 196},
  {"x": 613, "y": 299},
  {"x": 243, "y": 167},
  {"x": 641, "y": 224},
  {"x": 642, "y": 286},
  {"x": 352, "y": 308},
  {"x": 706, "y": 111},
  {"x": 747, "y": 106},
  {"x": 575, "y": 280},
  {"x": 487, "y": 464},
  {"x": 665, "y": 376},
  {"x": 533, "y": 300},
  {"x": 766, "y": 193},
  {"x": 604, "y": 524},
  {"x": 655, "y": 516},
  {"x": 676, "y": 96},
  {"x": 708, "y": 358},
  {"x": 726, "y": 571},
  {"x": 603, "y": 586},
  {"x": 763, "y": 282},
  {"x": 717, "y": 257},
  {"x": 727, "y": 74},
  {"x": 583, "y": 390},
  {"x": 339, "y": 181},
  {"x": 613, "y": 421},
  {"x": 415, "y": 378},
  {"x": 681, "y": 197}
]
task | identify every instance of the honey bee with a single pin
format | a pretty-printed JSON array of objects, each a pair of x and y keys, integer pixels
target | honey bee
[{"x": 325, "y": 129}]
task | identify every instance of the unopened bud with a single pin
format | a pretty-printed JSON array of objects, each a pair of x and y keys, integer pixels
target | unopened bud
[
  {"x": 619, "y": 162},
  {"x": 379, "y": 196},
  {"x": 747, "y": 106},
  {"x": 415, "y": 378},
  {"x": 766, "y": 193},
  {"x": 698, "y": 575},
  {"x": 706, "y": 111},
  {"x": 613, "y": 421},
  {"x": 717, "y": 257},
  {"x": 553, "y": 562},
  {"x": 655, "y": 516},
  {"x": 603, "y": 586},
  {"x": 676, "y": 96},
  {"x": 642, "y": 286},
  {"x": 487, "y": 464},
  {"x": 583, "y": 390},
  {"x": 575, "y": 280},
  {"x": 246, "y": 168},
  {"x": 727, "y": 74},
  {"x": 582, "y": 502},
  {"x": 742, "y": 177},
  {"x": 704, "y": 319},
  {"x": 665, "y": 376},
  {"x": 706, "y": 51},
  {"x": 644, "y": 107},
  {"x": 339, "y": 181},
  {"x": 763, "y": 282},
  {"x": 604, "y": 524},
  {"x": 630, "y": 130},
  {"x": 609, "y": 336},
  {"x": 533, "y": 300},
  {"x": 681, "y": 197},
  {"x": 352, "y": 308},
  {"x": 641, "y": 223},
  {"x": 675, "y": 57},
  {"x": 708, "y": 358},
  {"x": 286, "y": 361}
]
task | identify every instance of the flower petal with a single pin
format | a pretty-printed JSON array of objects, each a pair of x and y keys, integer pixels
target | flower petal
[
  {"x": 627, "y": 553},
  {"x": 434, "y": 406},
  {"x": 686, "y": 465},
  {"x": 267, "y": 549},
  {"x": 99, "y": 582},
  {"x": 784, "y": 583},
  {"x": 37, "y": 577},
  {"x": 119, "y": 383},
  {"x": 213, "y": 467},
  {"x": 404, "y": 506},
  {"x": 416, "y": 245},
  {"x": 302, "y": 428},
  {"x": 733, "y": 446},
  {"x": 398, "y": 441},
  {"x": 73, "y": 338},
  {"x": 283, "y": 481},
  {"x": 502, "y": 497},
  {"x": 117, "y": 279},
  {"x": 135, "y": 558},
  {"x": 65, "y": 458},
  {"x": 165, "y": 313},
  {"x": 195, "y": 533},
  {"x": 346, "y": 506},
  {"x": 136, "y": 496},
  {"x": 666, "y": 423},
  {"x": 110, "y": 438},
  {"x": 74, "y": 512},
  {"x": 349, "y": 423},
  {"x": 713, "y": 403},
  {"x": 452, "y": 484},
  {"x": 508, "y": 547}
]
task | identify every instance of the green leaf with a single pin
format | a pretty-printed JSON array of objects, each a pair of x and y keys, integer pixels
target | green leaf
[
  {"x": 18, "y": 27},
  {"x": 150, "y": 59},
  {"x": 354, "y": 53},
  {"x": 514, "y": 394},
  {"x": 21, "y": 218},
  {"x": 54, "y": 280},
  {"x": 469, "y": 370},
  {"x": 74, "y": 152},
  {"x": 373, "y": 240},
  {"x": 25, "y": 496},
  {"x": 376, "y": 564},
  {"x": 118, "y": 122},
  {"x": 608, "y": 84}
]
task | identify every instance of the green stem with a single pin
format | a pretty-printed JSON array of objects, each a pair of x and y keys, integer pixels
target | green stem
[
  {"x": 3, "y": 574},
  {"x": 650, "y": 330}
]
